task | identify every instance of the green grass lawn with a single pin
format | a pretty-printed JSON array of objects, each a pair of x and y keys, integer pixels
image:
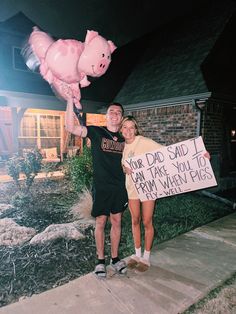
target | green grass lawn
[{"x": 176, "y": 215}]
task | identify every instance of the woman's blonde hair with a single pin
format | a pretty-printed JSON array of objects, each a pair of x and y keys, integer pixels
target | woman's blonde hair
[{"x": 130, "y": 118}]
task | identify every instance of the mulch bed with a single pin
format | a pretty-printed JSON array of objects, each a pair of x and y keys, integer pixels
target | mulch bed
[
  {"x": 29, "y": 269},
  {"x": 26, "y": 270}
]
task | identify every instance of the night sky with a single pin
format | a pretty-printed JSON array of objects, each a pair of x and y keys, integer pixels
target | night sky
[{"x": 120, "y": 21}]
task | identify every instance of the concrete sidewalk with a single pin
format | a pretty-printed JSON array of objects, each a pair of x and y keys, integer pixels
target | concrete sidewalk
[{"x": 183, "y": 270}]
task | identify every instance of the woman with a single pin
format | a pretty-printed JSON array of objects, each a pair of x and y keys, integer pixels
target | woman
[{"x": 136, "y": 144}]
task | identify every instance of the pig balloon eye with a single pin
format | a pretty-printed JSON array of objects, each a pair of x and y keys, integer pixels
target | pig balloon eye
[
  {"x": 103, "y": 55},
  {"x": 108, "y": 57}
]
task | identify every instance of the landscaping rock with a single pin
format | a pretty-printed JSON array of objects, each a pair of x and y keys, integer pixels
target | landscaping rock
[
  {"x": 4, "y": 208},
  {"x": 84, "y": 223},
  {"x": 56, "y": 231},
  {"x": 13, "y": 234}
]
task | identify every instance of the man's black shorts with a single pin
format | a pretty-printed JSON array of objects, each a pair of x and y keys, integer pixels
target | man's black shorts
[{"x": 109, "y": 199}]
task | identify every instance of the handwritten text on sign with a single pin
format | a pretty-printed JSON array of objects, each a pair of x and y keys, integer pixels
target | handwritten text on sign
[{"x": 174, "y": 169}]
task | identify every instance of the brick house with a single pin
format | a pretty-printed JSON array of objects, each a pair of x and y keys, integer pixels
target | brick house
[
  {"x": 179, "y": 84},
  {"x": 30, "y": 114},
  {"x": 184, "y": 86}
]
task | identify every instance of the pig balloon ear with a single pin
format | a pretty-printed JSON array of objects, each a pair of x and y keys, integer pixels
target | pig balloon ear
[
  {"x": 90, "y": 36},
  {"x": 111, "y": 45}
]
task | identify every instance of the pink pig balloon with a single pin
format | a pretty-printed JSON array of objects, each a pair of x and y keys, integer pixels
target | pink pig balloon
[{"x": 65, "y": 64}]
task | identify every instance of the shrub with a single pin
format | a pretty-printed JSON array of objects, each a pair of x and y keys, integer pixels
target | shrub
[
  {"x": 49, "y": 168},
  {"x": 14, "y": 168},
  {"x": 80, "y": 170},
  {"x": 29, "y": 164},
  {"x": 20, "y": 200}
]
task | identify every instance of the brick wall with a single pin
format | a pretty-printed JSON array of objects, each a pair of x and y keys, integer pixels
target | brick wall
[
  {"x": 216, "y": 137},
  {"x": 168, "y": 125},
  {"x": 213, "y": 127}
]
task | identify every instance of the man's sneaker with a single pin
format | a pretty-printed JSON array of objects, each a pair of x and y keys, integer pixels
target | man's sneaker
[{"x": 120, "y": 267}]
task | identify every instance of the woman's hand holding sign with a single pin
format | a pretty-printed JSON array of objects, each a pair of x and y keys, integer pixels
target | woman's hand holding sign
[{"x": 127, "y": 170}]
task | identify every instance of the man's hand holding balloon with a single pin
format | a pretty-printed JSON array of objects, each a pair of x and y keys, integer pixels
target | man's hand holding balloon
[{"x": 68, "y": 62}]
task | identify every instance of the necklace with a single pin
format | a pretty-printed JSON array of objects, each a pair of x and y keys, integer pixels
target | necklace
[{"x": 115, "y": 138}]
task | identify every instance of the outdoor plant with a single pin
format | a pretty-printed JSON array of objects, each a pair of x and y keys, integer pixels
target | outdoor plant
[
  {"x": 29, "y": 165},
  {"x": 49, "y": 168},
  {"x": 80, "y": 170}
]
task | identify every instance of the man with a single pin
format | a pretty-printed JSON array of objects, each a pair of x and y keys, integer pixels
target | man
[{"x": 109, "y": 193}]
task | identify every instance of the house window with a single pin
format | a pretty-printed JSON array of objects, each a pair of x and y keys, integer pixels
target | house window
[
  {"x": 18, "y": 60},
  {"x": 40, "y": 130},
  {"x": 29, "y": 126}
]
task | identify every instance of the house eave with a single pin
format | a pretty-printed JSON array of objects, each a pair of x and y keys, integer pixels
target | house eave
[
  {"x": 27, "y": 100},
  {"x": 168, "y": 102}
]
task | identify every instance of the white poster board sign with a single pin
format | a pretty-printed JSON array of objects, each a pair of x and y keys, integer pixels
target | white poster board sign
[{"x": 173, "y": 169}]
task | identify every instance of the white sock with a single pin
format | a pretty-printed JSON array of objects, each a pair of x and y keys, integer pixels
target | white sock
[
  {"x": 138, "y": 252},
  {"x": 146, "y": 255}
]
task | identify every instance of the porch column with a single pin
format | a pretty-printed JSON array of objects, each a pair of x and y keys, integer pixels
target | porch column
[
  {"x": 17, "y": 114},
  {"x": 15, "y": 128}
]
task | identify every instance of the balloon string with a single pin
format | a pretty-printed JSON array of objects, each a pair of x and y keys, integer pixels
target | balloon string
[{"x": 78, "y": 115}]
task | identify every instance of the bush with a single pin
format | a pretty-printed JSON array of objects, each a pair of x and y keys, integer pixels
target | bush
[
  {"x": 49, "y": 168},
  {"x": 29, "y": 164},
  {"x": 14, "y": 168},
  {"x": 20, "y": 200},
  {"x": 80, "y": 170}
]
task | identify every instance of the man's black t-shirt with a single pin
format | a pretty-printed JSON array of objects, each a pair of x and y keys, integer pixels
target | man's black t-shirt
[
  {"x": 107, "y": 148},
  {"x": 109, "y": 192}
]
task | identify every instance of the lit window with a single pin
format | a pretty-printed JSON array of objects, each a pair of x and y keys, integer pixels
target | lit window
[{"x": 41, "y": 130}]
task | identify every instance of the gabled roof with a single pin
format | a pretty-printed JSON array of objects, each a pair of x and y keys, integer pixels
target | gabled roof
[
  {"x": 171, "y": 63},
  {"x": 163, "y": 64},
  {"x": 18, "y": 23},
  {"x": 219, "y": 67}
]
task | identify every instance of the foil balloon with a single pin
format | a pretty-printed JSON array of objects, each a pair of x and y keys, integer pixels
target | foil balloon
[{"x": 66, "y": 63}]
